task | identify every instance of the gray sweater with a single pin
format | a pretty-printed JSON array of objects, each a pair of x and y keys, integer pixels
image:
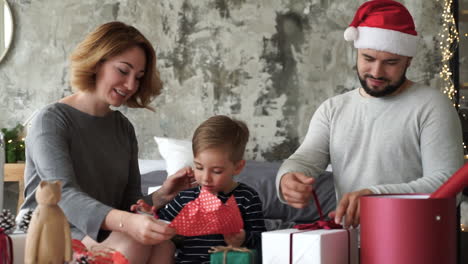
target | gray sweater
[
  {"x": 96, "y": 158},
  {"x": 407, "y": 143}
]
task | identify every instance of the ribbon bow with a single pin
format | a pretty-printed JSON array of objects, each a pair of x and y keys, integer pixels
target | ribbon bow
[
  {"x": 225, "y": 250},
  {"x": 6, "y": 248},
  {"x": 320, "y": 224}
]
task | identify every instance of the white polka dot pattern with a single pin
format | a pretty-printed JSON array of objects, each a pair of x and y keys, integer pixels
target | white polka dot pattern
[{"x": 208, "y": 215}]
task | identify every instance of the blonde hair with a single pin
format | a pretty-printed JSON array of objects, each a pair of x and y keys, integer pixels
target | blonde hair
[
  {"x": 221, "y": 131},
  {"x": 109, "y": 40}
]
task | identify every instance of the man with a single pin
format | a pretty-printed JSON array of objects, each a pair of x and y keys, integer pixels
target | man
[{"x": 389, "y": 136}]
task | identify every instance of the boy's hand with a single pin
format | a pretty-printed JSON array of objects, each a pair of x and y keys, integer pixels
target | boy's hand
[
  {"x": 142, "y": 206},
  {"x": 179, "y": 181},
  {"x": 235, "y": 239}
]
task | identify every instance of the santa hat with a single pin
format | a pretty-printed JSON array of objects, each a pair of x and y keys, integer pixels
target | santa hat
[{"x": 384, "y": 25}]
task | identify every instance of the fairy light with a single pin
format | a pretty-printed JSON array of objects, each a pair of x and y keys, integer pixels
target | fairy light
[{"x": 449, "y": 39}]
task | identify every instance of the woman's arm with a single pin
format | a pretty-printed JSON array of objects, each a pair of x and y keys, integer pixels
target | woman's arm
[
  {"x": 144, "y": 229},
  {"x": 49, "y": 158}
]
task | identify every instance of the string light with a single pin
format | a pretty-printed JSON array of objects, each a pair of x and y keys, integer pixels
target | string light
[{"x": 449, "y": 42}]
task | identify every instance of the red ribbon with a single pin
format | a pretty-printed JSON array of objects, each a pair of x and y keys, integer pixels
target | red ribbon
[
  {"x": 320, "y": 224},
  {"x": 6, "y": 248},
  {"x": 330, "y": 224}
]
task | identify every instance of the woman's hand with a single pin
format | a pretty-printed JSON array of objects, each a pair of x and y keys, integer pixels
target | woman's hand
[
  {"x": 146, "y": 229},
  {"x": 235, "y": 239},
  {"x": 181, "y": 180}
]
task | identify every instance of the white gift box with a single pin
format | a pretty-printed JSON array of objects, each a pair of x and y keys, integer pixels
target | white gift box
[
  {"x": 310, "y": 247},
  {"x": 19, "y": 243}
]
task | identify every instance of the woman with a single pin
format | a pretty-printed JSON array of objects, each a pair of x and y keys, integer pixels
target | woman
[{"x": 93, "y": 151}]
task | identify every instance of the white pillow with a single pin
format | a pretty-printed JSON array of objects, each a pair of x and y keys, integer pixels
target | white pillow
[
  {"x": 176, "y": 152},
  {"x": 147, "y": 166}
]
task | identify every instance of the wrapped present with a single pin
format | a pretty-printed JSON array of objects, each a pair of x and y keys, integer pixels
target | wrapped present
[
  {"x": 232, "y": 255},
  {"x": 208, "y": 215},
  {"x": 19, "y": 241},
  {"x": 334, "y": 246},
  {"x": 321, "y": 242}
]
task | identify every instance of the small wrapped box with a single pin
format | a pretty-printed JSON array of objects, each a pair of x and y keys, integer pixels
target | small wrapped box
[
  {"x": 336, "y": 246},
  {"x": 19, "y": 241},
  {"x": 229, "y": 255}
]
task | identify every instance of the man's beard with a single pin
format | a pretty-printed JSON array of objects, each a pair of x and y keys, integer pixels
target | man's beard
[{"x": 389, "y": 89}]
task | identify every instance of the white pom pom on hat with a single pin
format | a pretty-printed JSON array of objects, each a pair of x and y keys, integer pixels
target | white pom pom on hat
[{"x": 351, "y": 33}]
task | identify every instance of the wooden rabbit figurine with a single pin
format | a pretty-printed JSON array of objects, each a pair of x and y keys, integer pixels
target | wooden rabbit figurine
[{"x": 48, "y": 240}]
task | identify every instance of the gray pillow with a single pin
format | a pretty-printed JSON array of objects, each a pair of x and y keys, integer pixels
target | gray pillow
[{"x": 262, "y": 175}]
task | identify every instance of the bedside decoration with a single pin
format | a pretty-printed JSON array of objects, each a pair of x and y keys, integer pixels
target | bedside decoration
[
  {"x": 7, "y": 221},
  {"x": 448, "y": 44},
  {"x": 49, "y": 238},
  {"x": 14, "y": 144},
  {"x": 25, "y": 220},
  {"x": 7, "y": 28}
]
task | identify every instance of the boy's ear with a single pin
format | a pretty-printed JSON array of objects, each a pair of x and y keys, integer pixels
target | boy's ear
[{"x": 239, "y": 166}]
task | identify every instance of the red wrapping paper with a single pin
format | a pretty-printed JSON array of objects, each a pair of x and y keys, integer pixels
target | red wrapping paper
[
  {"x": 101, "y": 256},
  {"x": 208, "y": 215},
  {"x": 453, "y": 185}
]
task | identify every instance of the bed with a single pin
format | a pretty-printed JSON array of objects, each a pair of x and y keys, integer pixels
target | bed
[{"x": 260, "y": 175}]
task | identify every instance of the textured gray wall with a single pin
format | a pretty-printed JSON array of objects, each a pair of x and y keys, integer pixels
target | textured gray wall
[{"x": 267, "y": 62}]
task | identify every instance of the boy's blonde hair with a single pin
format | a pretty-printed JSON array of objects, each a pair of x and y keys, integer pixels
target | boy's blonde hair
[
  {"x": 221, "y": 131},
  {"x": 107, "y": 41}
]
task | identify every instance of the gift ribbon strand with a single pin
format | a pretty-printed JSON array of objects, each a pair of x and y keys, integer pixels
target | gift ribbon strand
[{"x": 321, "y": 224}]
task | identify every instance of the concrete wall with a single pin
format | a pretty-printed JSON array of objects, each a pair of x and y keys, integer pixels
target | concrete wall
[{"x": 267, "y": 62}]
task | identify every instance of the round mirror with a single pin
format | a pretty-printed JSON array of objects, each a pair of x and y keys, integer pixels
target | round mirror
[{"x": 6, "y": 28}]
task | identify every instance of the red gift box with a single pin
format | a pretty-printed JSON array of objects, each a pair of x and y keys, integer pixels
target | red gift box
[{"x": 409, "y": 229}]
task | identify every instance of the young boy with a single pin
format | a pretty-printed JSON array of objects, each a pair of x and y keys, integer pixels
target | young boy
[{"x": 218, "y": 147}]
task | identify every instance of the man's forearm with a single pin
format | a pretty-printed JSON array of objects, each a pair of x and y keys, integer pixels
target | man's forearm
[{"x": 159, "y": 199}]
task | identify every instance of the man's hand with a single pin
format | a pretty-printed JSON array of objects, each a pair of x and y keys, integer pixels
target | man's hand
[
  {"x": 350, "y": 208},
  {"x": 235, "y": 239},
  {"x": 179, "y": 181},
  {"x": 296, "y": 189}
]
